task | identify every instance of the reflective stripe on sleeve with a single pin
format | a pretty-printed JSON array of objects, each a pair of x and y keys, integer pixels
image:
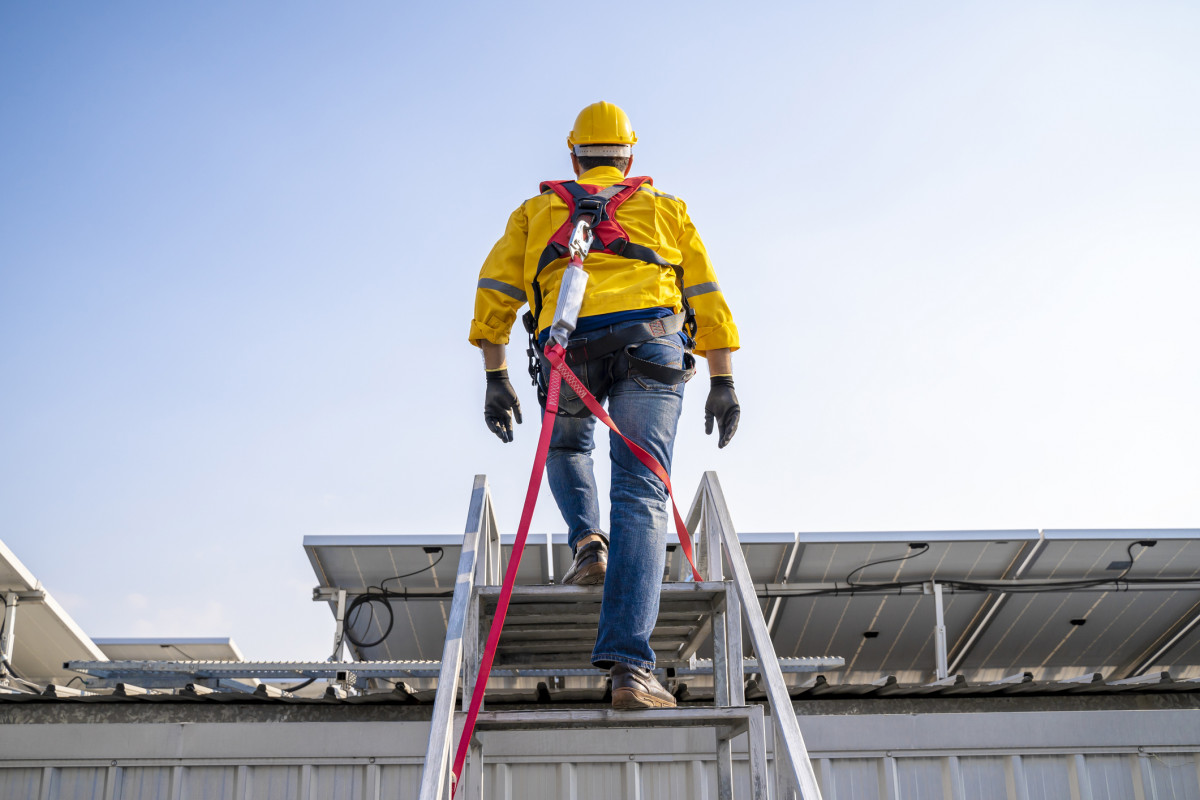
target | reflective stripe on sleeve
[
  {"x": 504, "y": 288},
  {"x": 657, "y": 193},
  {"x": 701, "y": 288}
]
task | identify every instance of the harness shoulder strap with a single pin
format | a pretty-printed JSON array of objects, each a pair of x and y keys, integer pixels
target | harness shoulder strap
[{"x": 601, "y": 205}]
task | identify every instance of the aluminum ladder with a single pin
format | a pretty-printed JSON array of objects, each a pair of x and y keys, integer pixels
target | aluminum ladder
[{"x": 553, "y": 627}]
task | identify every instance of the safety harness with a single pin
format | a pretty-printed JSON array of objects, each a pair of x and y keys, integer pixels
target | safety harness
[{"x": 599, "y": 205}]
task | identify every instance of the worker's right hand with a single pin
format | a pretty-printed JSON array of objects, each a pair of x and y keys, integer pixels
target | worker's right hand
[{"x": 500, "y": 405}]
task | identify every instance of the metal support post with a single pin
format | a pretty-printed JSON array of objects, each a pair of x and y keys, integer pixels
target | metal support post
[
  {"x": 472, "y": 652},
  {"x": 733, "y": 647},
  {"x": 10, "y": 625},
  {"x": 943, "y": 671},
  {"x": 756, "y": 748},
  {"x": 474, "y": 771},
  {"x": 339, "y": 630}
]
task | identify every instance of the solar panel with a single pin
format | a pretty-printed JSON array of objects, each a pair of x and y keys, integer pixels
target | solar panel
[
  {"x": 44, "y": 634},
  {"x": 1110, "y": 629},
  {"x": 173, "y": 649},
  {"x": 990, "y": 634}
]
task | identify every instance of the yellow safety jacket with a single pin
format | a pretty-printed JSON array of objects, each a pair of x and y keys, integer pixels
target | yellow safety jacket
[{"x": 650, "y": 218}]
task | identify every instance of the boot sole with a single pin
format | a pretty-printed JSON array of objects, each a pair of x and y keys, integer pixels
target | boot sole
[
  {"x": 631, "y": 699},
  {"x": 592, "y": 575}
]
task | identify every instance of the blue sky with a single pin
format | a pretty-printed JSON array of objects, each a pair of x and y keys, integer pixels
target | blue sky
[{"x": 238, "y": 244}]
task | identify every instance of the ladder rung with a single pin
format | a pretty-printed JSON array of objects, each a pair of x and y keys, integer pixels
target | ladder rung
[{"x": 737, "y": 717}]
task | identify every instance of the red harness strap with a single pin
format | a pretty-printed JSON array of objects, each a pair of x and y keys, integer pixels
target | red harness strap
[
  {"x": 510, "y": 578},
  {"x": 559, "y": 372},
  {"x": 606, "y": 230}
]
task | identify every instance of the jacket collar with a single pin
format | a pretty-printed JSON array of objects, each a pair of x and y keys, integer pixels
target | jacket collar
[{"x": 601, "y": 176}]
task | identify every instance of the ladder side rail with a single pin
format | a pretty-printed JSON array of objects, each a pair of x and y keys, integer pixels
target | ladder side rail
[
  {"x": 721, "y": 653},
  {"x": 721, "y": 528},
  {"x": 722, "y": 669},
  {"x": 493, "y": 552},
  {"x": 485, "y": 575},
  {"x": 695, "y": 526},
  {"x": 436, "y": 772}
]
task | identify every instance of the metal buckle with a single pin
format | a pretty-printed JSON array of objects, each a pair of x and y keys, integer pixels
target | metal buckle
[{"x": 581, "y": 240}]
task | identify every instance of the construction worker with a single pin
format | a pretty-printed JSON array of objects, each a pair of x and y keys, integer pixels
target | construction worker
[{"x": 652, "y": 299}]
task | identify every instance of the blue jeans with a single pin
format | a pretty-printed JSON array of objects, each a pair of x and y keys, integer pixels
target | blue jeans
[{"x": 648, "y": 413}]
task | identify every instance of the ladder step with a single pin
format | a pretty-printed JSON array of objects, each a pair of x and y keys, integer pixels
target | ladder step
[
  {"x": 569, "y": 646},
  {"x": 735, "y": 718},
  {"x": 539, "y": 617},
  {"x": 555, "y": 625},
  {"x": 537, "y": 633},
  {"x": 703, "y": 592}
]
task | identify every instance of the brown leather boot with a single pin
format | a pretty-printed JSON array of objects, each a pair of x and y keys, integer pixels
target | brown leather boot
[
  {"x": 635, "y": 687},
  {"x": 591, "y": 561}
]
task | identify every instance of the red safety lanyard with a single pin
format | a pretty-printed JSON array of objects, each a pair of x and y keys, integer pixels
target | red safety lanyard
[{"x": 559, "y": 372}]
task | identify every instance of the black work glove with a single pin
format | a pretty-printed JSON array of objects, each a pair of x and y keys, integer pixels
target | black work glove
[
  {"x": 722, "y": 405},
  {"x": 497, "y": 403}
]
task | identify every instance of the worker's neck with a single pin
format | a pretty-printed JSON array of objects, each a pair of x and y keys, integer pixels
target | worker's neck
[{"x": 601, "y": 175}]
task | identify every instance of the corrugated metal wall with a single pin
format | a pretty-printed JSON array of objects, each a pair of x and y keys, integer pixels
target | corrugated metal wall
[
  {"x": 1127, "y": 755},
  {"x": 1055, "y": 777}
]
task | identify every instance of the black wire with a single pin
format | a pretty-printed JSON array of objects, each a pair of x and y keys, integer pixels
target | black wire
[
  {"x": 924, "y": 549},
  {"x": 381, "y": 594},
  {"x": 1121, "y": 582},
  {"x": 12, "y": 670},
  {"x": 441, "y": 555},
  {"x": 20, "y": 678},
  {"x": 298, "y": 686},
  {"x": 374, "y": 594},
  {"x": 352, "y": 616}
]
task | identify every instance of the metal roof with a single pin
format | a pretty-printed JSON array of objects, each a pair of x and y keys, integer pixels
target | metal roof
[{"x": 815, "y": 687}]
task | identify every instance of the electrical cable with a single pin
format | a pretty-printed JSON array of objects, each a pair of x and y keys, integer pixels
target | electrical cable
[
  {"x": 441, "y": 554},
  {"x": 297, "y": 687},
  {"x": 924, "y": 548},
  {"x": 10, "y": 670},
  {"x": 1121, "y": 582},
  {"x": 374, "y": 594},
  {"x": 381, "y": 594}
]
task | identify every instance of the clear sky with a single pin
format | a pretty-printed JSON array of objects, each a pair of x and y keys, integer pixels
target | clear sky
[{"x": 239, "y": 242}]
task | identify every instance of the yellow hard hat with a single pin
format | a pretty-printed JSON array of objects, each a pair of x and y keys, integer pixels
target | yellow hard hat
[{"x": 602, "y": 124}]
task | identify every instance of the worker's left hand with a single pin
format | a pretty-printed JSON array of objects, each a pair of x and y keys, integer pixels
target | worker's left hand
[
  {"x": 722, "y": 406},
  {"x": 497, "y": 404}
]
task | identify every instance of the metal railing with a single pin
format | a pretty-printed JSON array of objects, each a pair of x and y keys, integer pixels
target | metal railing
[
  {"x": 713, "y": 530},
  {"x": 716, "y": 545},
  {"x": 478, "y": 564}
]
